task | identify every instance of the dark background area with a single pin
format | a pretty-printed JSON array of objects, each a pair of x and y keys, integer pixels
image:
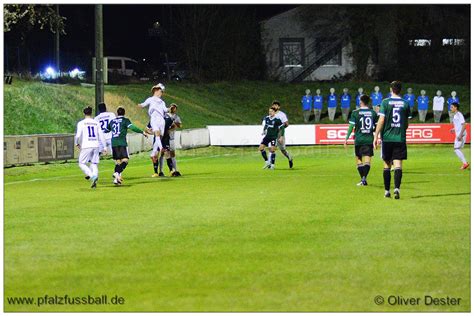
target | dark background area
[
  {"x": 125, "y": 34},
  {"x": 222, "y": 42}
]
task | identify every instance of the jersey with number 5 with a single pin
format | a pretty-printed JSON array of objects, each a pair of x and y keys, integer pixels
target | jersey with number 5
[
  {"x": 364, "y": 120},
  {"x": 397, "y": 113},
  {"x": 104, "y": 119},
  {"x": 89, "y": 134}
]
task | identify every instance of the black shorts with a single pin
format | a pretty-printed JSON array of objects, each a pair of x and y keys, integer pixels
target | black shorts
[
  {"x": 165, "y": 141},
  {"x": 364, "y": 150},
  {"x": 394, "y": 151},
  {"x": 119, "y": 152},
  {"x": 268, "y": 141}
]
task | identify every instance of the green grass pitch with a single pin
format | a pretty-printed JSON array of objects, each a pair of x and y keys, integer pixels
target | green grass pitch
[{"x": 229, "y": 236}]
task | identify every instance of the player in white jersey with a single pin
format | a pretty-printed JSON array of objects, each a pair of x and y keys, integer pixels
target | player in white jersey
[
  {"x": 281, "y": 136},
  {"x": 89, "y": 138},
  {"x": 104, "y": 119},
  {"x": 156, "y": 109},
  {"x": 460, "y": 131}
]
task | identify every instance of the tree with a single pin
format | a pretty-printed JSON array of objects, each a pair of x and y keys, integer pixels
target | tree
[
  {"x": 28, "y": 16},
  {"x": 219, "y": 42}
]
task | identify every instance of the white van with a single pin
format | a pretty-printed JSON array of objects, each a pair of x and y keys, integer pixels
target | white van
[{"x": 121, "y": 65}]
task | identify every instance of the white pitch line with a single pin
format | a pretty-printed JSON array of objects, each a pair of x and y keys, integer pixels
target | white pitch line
[
  {"x": 131, "y": 167},
  {"x": 191, "y": 177}
]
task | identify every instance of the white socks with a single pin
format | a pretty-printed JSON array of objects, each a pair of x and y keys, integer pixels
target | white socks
[
  {"x": 459, "y": 153},
  {"x": 156, "y": 146},
  {"x": 173, "y": 160},
  {"x": 162, "y": 158},
  {"x": 94, "y": 170},
  {"x": 85, "y": 169}
]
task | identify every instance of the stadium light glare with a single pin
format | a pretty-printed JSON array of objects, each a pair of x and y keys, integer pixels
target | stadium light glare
[
  {"x": 50, "y": 71},
  {"x": 74, "y": 73}
]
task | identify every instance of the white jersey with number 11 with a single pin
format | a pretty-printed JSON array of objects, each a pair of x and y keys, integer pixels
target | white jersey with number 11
[{"x": 89, "y": 134}]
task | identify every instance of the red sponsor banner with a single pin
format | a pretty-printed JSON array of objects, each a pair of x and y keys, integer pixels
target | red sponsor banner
[{"x": 332, "y": 134}]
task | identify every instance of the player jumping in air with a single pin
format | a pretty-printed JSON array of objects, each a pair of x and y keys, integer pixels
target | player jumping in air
[
  {"x": 271, "y": 128},
  {"x": 104, "y": 119},
  {"x": 119, "y": 128},
  {"x": 461, "y": 135},
  {"x": 392, "y": 125},
  {"x": 363, "y": 120},
  {"x": 281, "y": 142},
  {"x": 156, "y": 109},
  {"x": 89, "y": 138}
]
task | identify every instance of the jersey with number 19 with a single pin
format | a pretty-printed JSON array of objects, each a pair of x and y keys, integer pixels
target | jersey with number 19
[
  {"x": 397, "y": 113},
  {"x": 364, "y": 120}
]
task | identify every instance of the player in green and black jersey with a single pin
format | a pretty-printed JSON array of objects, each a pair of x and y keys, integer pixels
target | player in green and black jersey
[
  {"x": 363, "y": 120},
  {"x": 119, "y": 128},
  {"x": 392, "y": 125},
  {"x": 165, "y": 150},
  {"x": 271, "y": 128}
]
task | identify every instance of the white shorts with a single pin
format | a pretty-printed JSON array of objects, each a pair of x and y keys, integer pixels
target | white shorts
[
  {"x": 459, "y": 144},
  {"x": 89, "y": 155},
  {"x": 172, "y": 145},
  {"x": 108, "y": 146},
  {"x": 157, "y": 124}
]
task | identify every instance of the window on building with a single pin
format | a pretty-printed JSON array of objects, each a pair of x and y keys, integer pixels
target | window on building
[
  {"x": 420, "y": 42},
  {"x": 454, "y": 42},
  {"x": 327, "y": 43},
  {"x": 292, "y": 52}
]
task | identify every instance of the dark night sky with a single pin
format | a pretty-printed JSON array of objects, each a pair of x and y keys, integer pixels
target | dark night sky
[{"x": 125, "y": 33}]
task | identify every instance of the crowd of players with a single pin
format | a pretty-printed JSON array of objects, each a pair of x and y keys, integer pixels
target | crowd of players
[
  {"x": 107, "y": 133},
  {"x": 391, "y": 123},
  {"x": 389, "y": 120}
]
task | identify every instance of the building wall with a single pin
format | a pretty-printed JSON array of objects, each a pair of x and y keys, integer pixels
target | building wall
[
  {"x": 327, "y": 72},
  {"x": 289, "y": 25}
]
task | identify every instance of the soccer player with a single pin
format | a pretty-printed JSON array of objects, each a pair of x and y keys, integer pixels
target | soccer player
[
  {"x": 460, "y": 131},
  {"x": 165, "y": 140},
  {"x": 104, "y": 119},
  {"x": 281, "y": 141},
  {"x": 89, "y": 138},
  {"x": 156, "y": 109},
  {"x": 392, "y": 125},
  {"x": 173, "y": 113},
  {"x": 363, "y": 120},
  {"x": 119, "y": 128},
  {"x": 271, "y": 128}
]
